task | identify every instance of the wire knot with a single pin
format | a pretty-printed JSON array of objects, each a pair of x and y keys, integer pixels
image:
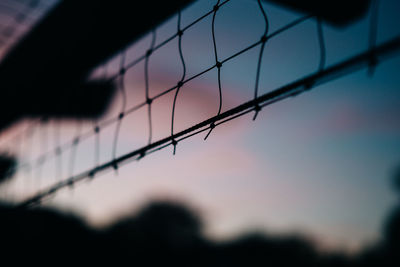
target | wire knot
[
  {"x": 257, "y": 109},
  {"x": 215, "y": 8},
  {"x": 264, "y": 39},
  {"x": 97, "y": 129},
  {"x": 149, "y": 52},
  {"x": 174, "y": 143},
  {"x": 51, "y": 191},
  {"x": 115, "y": 165},
  {"x": 121, "y": 115},
  {"x": 92, "y": 173},
  {"x": 122, "y": 71},
  {"x": 180, "y": 33},
  {"x": 149, "y": 101},
  {"x": 70, "y": 183},
  {"x": 180, "y": 84},
  {"x": 309, "y": 84},
  {"x": 212, "y": 126},
  {"x": 218, "y": 64}
]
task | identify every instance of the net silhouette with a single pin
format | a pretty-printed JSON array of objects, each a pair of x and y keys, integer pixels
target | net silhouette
[
  {"x": 17, "y": 17},
  {"x": 323, "y": 74}
]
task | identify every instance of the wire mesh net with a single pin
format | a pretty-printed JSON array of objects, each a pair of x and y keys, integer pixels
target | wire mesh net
[
  {"x": 17, "y": 18},
  {"x": 177, "y": 82}
]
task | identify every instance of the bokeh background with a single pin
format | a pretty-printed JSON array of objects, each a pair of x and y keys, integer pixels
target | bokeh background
[{"x": 318, "y": 164}]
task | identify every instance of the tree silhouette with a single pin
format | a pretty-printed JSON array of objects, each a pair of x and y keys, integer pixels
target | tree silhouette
[{"x": 171, "y": 233}]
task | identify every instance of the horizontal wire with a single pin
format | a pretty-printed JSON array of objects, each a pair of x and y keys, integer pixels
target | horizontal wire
[{"x": 292, "y": 89}]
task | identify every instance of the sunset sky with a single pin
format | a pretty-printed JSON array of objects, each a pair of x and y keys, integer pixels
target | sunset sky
[{"x": 319, "y": 164}]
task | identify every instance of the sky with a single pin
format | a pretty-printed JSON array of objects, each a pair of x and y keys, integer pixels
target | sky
[{"x": 319, "y": 164}]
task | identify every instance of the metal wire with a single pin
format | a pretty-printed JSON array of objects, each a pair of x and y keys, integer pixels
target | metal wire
[
  {"x": 260, "y": 56},
  {"x": 21, "y": 15},
  {"x": 218, "y": 65},
  {"x": 106, "y": 123},
  {"x": 292, "y": 89},
  {"x": 149, "y": 101},
  {"x": 123, "y": 107},
  {"x": 373, "y": 33},
  {"x": 180, "y": 83},
  {"x": 306, "y": 83}
]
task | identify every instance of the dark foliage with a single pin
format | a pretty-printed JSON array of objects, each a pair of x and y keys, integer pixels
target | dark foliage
[{"x": 168, "y": 233}]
